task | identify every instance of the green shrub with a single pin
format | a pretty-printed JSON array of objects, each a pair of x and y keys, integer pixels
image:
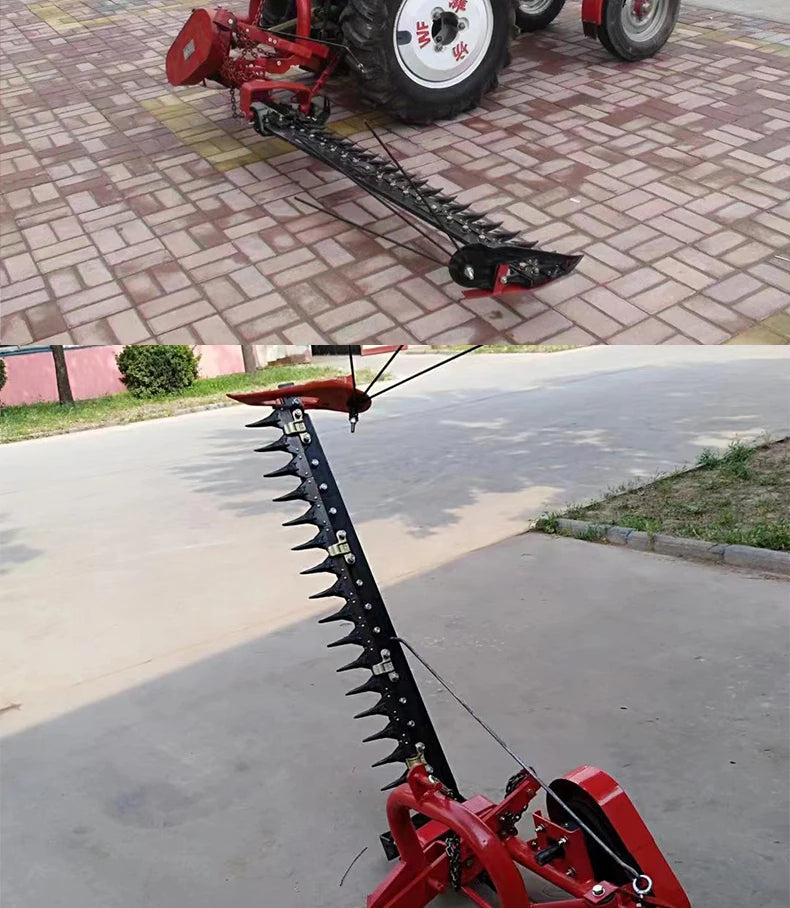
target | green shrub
[
  {"x": 3, "y": 374},
  {"x": 150, "y": 371}
]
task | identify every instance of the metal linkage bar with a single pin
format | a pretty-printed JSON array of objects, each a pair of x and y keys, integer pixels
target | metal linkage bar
[
  {"x": 487, "y": 258},
  {"x": 378, "y": 651}
]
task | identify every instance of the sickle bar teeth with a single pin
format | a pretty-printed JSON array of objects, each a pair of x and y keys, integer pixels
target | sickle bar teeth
[
  {"x": 390, "y": 730},
  {"x": 272, "y": 419},
  {"x": 320, "y": 541},
  {"x": 373, "y": 685},
  {"x": 310, "y": 516},
  {"x": 337, "y": 589},
  {"x": 327, "y": 566},
  {"x": 362, "y": 661},
  {"x": 289, "y": 469},
  {"x": 280, "y": 444},
  {"x": 298, "y": 494},
  {"x": 398, "y": 755},
  {"x": 378, "y": 709},
  {"x": 399, "y": 781},
  {"x": 353, "y": 636},
  {"x": 343, "y": 614}
]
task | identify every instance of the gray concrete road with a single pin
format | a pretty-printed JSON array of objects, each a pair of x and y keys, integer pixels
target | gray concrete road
[
  {"x": 166, "y": 545},
  {"x": 773, "y": 10},
  {"x": 182, "y": 739},
  {"x": 240, "y": 780}
]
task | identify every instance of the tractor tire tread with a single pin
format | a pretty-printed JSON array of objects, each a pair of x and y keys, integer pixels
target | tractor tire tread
[
  {"x": 366, "y": 32},
  {"x": 531, "y": 23},
  {"x": 613, "y": 37}
]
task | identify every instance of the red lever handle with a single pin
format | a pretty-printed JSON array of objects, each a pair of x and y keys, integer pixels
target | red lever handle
[{"x": 325, "y": 394}]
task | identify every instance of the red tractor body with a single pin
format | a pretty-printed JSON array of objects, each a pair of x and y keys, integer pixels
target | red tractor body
[{"x": 424, "y": 64}]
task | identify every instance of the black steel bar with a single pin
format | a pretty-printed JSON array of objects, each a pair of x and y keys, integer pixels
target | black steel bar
[
  {"x": 390, "y": 675},
  {"x": 383, "y": 368},
  {"x": 369, "y": 171}
]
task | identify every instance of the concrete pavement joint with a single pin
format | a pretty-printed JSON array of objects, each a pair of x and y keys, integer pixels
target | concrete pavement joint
[{"x": 745, "y": 556}]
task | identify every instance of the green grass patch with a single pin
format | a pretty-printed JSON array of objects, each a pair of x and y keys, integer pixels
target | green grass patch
[
  {"x": 739, "y": 496},
  {"x": 36, "y": 420}
]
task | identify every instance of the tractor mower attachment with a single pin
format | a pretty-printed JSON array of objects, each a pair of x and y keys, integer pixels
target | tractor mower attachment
[
  {"x": 486, "y": 259},
  {"x": 590, "y": 842},
  {"x": 415, "y": 59}
]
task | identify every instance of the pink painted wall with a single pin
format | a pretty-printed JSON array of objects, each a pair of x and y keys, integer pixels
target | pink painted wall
[
  {"x": 94, "y": 373},
  {"x": 219, "y": 359},
  {"x": 30, "y": 378}
]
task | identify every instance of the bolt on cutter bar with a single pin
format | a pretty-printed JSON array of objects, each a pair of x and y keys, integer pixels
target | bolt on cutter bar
[{"x": 591, "y": 842}]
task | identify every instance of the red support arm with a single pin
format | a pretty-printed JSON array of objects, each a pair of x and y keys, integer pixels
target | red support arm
[
  {"x": 425, "y": 796},
  {"x": 325, "y": 394},
  {"x": 488, "y": 844}
]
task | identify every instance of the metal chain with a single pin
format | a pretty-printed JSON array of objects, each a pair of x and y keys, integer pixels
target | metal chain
[
  {"x": 241, "y": 68},
  {"x": 234, "y": 107},
  {"x": 510, "y": 819},
  {"x": 452, "y": 845}
]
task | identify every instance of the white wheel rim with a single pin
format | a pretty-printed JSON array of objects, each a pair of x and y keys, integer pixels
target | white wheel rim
[
  {"x": 643, "y": 19},
  {"x": 439, "y": 43}
]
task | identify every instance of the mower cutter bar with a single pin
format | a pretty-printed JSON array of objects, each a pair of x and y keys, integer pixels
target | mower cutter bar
[
  {"x": 390, "y": 678},
  {"x": 487, "y": 258}
]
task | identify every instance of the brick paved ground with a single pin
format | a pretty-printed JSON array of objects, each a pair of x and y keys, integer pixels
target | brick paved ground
[{"x": 131, "y": 211}]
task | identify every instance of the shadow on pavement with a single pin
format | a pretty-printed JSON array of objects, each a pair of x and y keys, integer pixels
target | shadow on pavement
[
  {"x": 13, "y": 552},
  {"x": 504, "y": 446},
  {"x": 240, "y": 780}
]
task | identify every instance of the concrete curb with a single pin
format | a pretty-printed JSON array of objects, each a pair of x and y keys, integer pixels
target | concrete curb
[{"x": 744, "y": 556}]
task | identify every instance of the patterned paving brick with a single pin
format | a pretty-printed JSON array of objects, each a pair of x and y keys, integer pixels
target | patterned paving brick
[{"x": 131, "y": 212}]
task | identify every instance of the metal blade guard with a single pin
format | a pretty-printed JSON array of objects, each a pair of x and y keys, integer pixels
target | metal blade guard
[{"x": 591, "y": 842}]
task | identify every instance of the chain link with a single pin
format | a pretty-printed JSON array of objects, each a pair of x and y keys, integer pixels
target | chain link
[
  {"x": 234, "y": 107},
  {"x": 510, "y": 819},
  {"x": 452, "y": 846}
]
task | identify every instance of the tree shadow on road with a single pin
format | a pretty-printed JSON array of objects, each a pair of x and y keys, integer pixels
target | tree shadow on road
[
  {"x": 489, "y": 440},
  {"x": 13, "y": 552}
]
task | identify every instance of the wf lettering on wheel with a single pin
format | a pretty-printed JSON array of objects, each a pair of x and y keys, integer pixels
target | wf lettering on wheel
[{"x": 440, "y": 46}]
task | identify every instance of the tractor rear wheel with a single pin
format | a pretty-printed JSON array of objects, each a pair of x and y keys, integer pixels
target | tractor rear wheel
[
  {"x": 533, "y": 15},
  {"x": 427, "y": 60},
  {"x": 637, "y": 29}
]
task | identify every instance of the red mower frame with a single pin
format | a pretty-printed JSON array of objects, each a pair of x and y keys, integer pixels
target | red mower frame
[
  {"x": 202, "y": 51},
  {"x": 489, "y": 843}
]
